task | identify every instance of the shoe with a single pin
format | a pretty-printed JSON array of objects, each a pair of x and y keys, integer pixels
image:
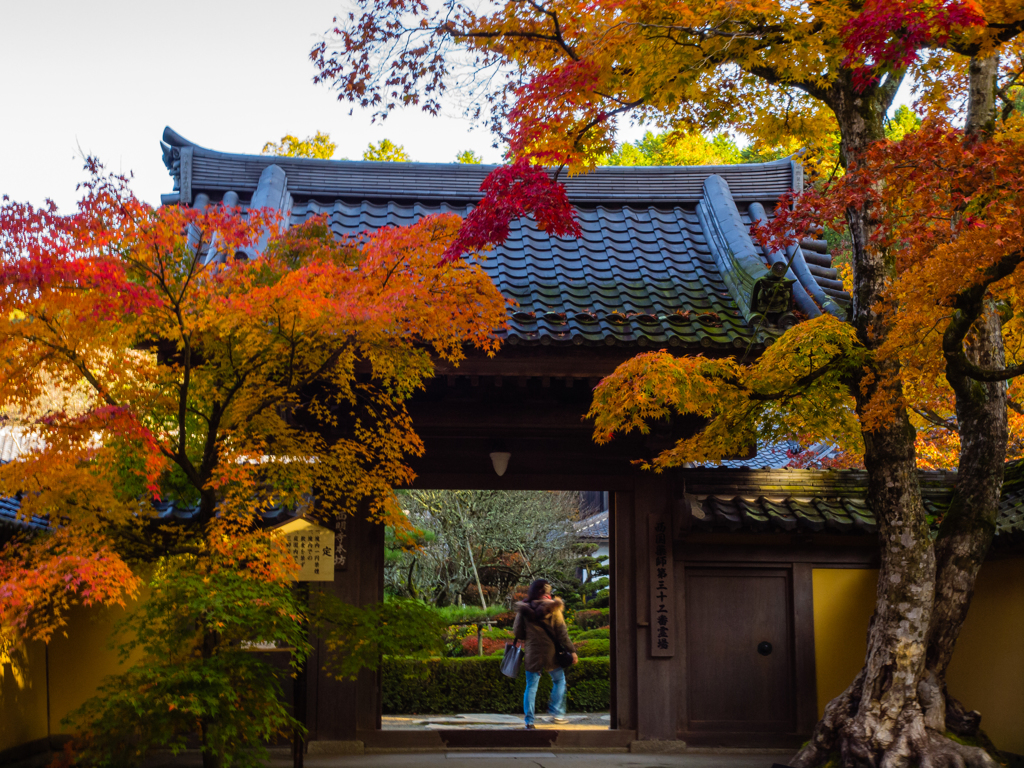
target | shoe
[
  {"x": 560, "y": 720},
  {"x": 531, "y": 727}
]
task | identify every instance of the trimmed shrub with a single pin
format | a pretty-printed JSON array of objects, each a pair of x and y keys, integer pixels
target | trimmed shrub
[
  {"x": 593, "y": 634},
  {"x": 476, "y": 685},
  {"x": 590, "y": 648}
]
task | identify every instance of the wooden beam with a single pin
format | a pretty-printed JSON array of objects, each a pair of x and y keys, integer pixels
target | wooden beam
[
  {"x": 531, "y": 482},
  {"x": 806, "y": 687}
]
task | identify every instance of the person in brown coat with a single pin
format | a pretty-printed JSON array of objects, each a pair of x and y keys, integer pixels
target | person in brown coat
[{"x": 538, "y": 611}]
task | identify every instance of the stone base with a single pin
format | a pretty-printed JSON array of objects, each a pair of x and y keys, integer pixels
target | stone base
[
  {"x": 334, "y": 748},
  {"x": 657, "y": 747}
]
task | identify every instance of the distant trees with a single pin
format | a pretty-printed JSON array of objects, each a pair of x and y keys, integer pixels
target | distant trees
[
  {"x": 468, "y": 157},
  {"x": 676, "y": 148},
  {"x": 318, "y": 146},
  {"x": 903, "y": 121},
  {"x": 479, "y": 545},
  {"x": 386, "y": 151}
]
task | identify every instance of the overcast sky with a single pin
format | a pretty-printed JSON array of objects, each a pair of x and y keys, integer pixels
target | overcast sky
[{"x": 107, "y": 76}]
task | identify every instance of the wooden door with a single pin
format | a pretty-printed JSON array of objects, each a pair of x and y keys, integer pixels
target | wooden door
[{"x": 734, "y": 681}]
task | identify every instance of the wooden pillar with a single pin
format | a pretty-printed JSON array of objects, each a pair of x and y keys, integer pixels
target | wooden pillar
[
  {"x": 338, "y": 710},
  {"x": 623, "y": 604},
  {"x": 657, "y": 677}
]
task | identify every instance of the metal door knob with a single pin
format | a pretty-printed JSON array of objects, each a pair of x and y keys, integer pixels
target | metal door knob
[{"x": 764, "y": 648}]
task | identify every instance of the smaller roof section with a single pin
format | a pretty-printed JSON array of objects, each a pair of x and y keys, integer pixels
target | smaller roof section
[
  {"x": 593, "y": 528},
  {"x": 815, "y": 501},
  {"x": 16, "y": 441}
]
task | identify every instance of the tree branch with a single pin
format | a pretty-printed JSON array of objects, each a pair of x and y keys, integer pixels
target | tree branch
[{"x": 970, "y": 304}]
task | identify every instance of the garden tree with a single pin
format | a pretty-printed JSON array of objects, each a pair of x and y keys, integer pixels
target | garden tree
[
  {"x": 318, "y": 145},
  {"x": 396, "y": 547},
  {"x": 475, "y": 543},
  {"x": 225, "y": 380},
  {"x": 560, "y": 74},
  {"x": 386, "y": 151},
  {"x": 593, "y": 586}
]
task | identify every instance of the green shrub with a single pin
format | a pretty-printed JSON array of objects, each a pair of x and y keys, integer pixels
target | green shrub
[
  {"x": 477, "y": 685},
  {"x": 593, "y": 634},
  {"x": 590, "y": 648}
]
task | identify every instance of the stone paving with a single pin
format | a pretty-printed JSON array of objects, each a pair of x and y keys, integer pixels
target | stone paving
[
  {"x": 587, "y": 721},
  {"x": 543, "y": 759}
]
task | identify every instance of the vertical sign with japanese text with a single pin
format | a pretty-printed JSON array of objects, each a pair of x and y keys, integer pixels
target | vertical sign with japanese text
[
  {"x": 312, "y": 547},
  {"x": 341, "y": 542},
  {"x": 663, "y": 625}
]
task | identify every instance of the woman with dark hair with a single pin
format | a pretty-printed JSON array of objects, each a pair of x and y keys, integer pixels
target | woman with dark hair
[{"x": 539, "y": 621}]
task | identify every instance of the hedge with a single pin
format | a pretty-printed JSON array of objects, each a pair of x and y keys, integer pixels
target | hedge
[
  {"x": 593, "y": 634},
  {"x": 591, "y": 648},
  {"x": 447, "y": 686}
]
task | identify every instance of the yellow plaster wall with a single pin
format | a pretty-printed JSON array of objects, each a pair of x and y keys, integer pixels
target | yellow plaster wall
[
  {"x": 844, "y": 599},
  {"x": 22, "y": 695},
  {"x": 81, "y": 660},
  {"x": 987, "y": 671}
]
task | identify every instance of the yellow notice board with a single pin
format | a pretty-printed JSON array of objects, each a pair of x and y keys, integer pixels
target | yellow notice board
[{"x": 312, "y": 546}]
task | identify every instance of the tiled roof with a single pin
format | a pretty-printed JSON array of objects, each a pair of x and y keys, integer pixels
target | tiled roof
[
  {"x": 821, "y": 501},
  {"x": 14, "y": 441},
  {"x": 1011, "y": 505},
  {"x": 665, "y": 258},
  {"x": 593, "y": 527},
  {"x": 777, "y": 455},
  {"x": 10, "y": 517}
]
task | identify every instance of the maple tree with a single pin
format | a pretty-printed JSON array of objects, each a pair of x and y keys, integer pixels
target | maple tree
[
  {"x": 555, "y": 78},
  {"x": 228, "y": 366}
]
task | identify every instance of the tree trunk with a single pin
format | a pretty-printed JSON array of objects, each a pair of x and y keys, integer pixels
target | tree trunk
[
  {"x": 969, "y": 525},
  {"x": 211, "y": 757},
  {"x": 879, "y": 721}
]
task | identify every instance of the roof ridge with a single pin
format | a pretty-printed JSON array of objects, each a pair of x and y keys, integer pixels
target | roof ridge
[{"x": 175, "y": 140}]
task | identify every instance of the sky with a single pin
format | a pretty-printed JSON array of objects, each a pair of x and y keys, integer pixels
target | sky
[{"x": 105, "y": 77}]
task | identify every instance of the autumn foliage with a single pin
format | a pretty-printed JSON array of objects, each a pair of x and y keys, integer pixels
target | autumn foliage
[{"x": 157, "y": 356}]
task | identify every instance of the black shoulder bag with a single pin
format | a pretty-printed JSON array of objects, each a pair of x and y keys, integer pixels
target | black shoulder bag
[{"x": 563, "y": 658}]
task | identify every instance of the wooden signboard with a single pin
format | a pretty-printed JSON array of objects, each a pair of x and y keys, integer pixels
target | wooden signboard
[
  {"x": 312, "y": 546},
  {"x": 663, "y": 624}
]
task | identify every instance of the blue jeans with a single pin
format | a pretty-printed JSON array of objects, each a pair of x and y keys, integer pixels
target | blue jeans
[{"x": 557, "y": 704}]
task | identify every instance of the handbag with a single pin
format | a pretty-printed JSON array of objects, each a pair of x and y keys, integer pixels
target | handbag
[
  {"x": 563, "y": 658},
  {"x": 512, "y": 660}
]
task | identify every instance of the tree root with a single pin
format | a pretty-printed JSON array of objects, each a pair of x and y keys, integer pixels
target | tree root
[
  {"x": 967, "y": 725},
  {"x": 860, "y": 737}
]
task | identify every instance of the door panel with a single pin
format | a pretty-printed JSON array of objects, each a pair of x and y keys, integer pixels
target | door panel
[{"x": 731, "y": 685}]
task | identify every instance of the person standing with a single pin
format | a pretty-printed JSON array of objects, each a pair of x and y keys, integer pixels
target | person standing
[{"x": 539, "y": 621}]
